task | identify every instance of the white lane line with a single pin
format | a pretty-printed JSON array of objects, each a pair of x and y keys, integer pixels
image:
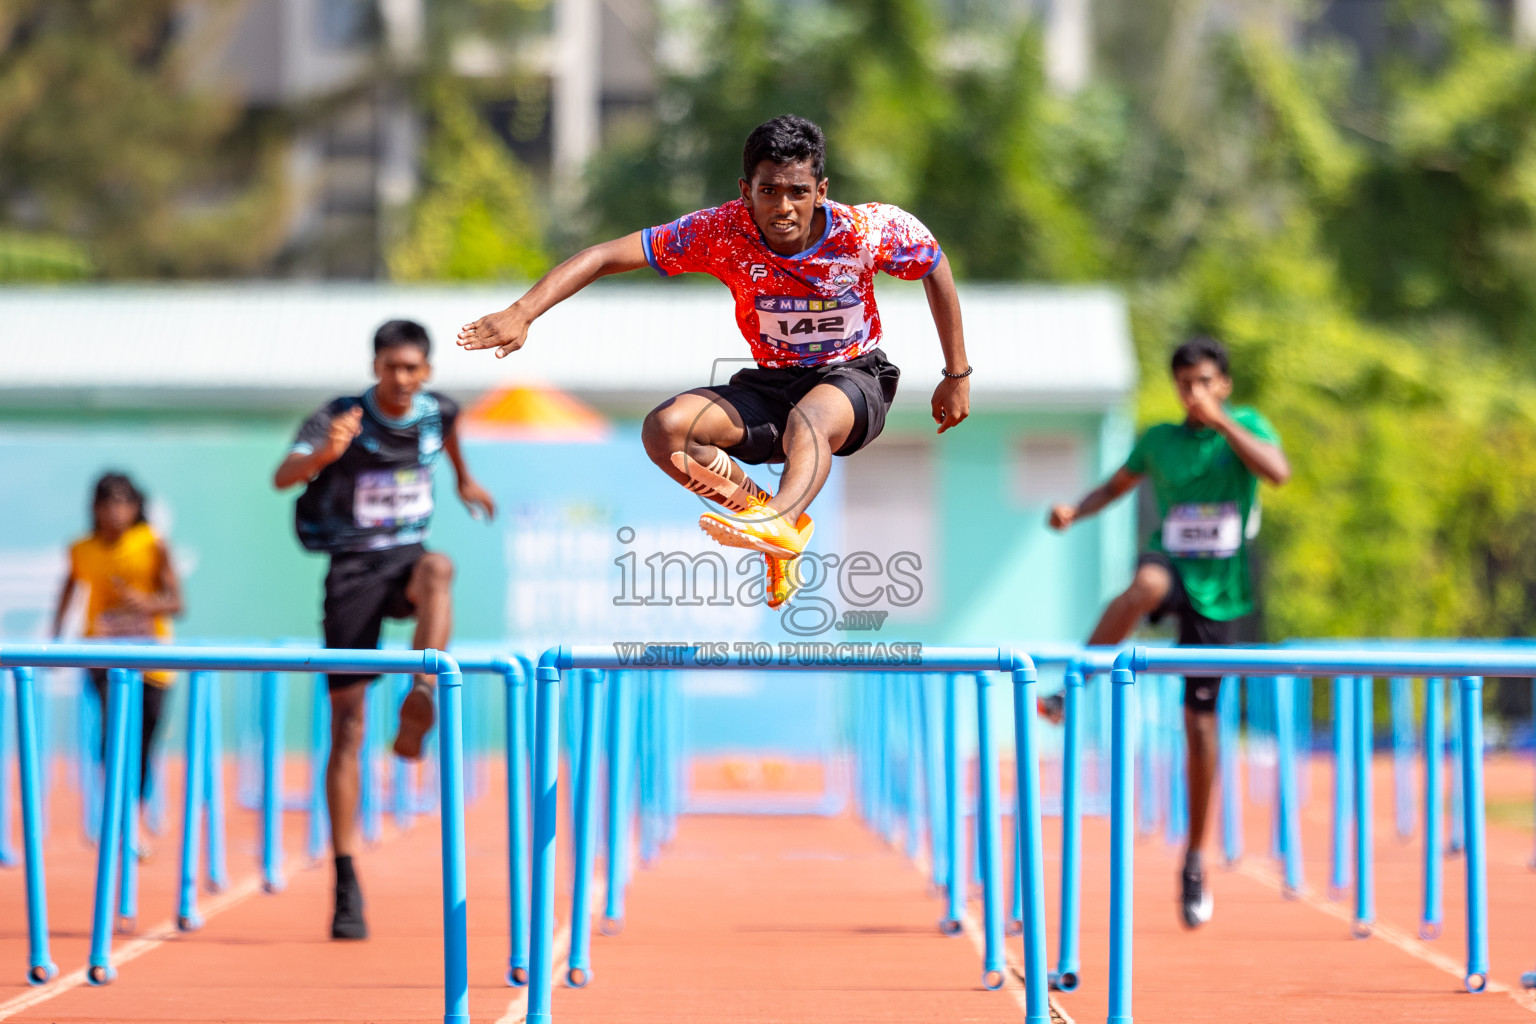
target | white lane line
[
  {"x": 1012, "y": 978},
  {"x": 517, "y": 1009},
  {"x": 1395, "y": 937},
  {"x": 162, "y": 933}
]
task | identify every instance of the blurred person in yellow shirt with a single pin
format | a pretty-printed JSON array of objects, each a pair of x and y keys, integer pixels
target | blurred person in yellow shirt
[{"x": 132, "y": 590}]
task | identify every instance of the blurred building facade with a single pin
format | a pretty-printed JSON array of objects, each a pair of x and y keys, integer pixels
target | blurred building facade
[{"x": 336, "y": 67}]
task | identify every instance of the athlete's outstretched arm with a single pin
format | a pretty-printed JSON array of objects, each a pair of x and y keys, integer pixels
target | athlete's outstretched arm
[
  {"x": 1063, "y": 516},
  {"x": 508, "y": 330},
  {"x": 475, "y": 498},
  {"x": 952, "y": 398}
]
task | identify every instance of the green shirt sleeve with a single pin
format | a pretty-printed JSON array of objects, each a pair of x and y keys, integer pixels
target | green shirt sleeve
[
  {"x": 1253, "y": 421},
  {"x": 1136, "y": 462}
]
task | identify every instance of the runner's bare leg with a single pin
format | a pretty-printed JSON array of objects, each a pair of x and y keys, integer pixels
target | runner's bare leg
[
  {"x": 430, "y": 590},
  {"x": 342, "y": 779},
  {"x": 1200, "y": 734},
  {"x": 698, "y": 423},
  {"x": 1147, "y": 590},
  {"x": 818, "y": 426}
]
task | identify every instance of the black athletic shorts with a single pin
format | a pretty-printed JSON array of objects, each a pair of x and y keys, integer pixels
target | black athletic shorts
[
  {"x": 363, "y": 588},
  {"x": 765, "y": 398},
  {"x": 1195, "y": 630}
]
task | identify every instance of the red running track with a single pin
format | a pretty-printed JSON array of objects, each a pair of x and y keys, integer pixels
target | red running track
[{"x": 775, "y": 919}]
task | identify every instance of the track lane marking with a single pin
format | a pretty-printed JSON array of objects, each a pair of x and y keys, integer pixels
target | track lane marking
[
  {"x": 1013, "y": 978},
  {"x": 1394, "y": 937},
  {"x": 161, "y": 934}
]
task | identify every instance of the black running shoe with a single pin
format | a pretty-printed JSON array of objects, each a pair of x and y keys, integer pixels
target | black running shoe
[
  {"x": 1195, "y": 903},
  {"x": 348, "y": 922}
]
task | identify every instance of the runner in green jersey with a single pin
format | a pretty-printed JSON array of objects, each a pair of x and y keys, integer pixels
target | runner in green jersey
[{"x": 1205, "y": 474}]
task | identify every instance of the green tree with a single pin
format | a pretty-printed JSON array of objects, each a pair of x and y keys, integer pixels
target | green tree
[
  {"x": 1359, "y": 230},
  {"x": 475, "y": 219},
  {"x": 105, "y": 141}
]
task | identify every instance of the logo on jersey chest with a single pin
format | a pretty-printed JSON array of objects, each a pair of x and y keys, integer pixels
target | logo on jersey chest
[{"x": 757, "y": 271}]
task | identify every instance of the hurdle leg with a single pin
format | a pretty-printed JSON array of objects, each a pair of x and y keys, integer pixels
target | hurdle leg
[
  {"x": 370, "y": 768},
  {"x": 954, "y": 799},
  {"x": 1027, "y": 778},
  {"x": 187, "y": 918},
  {"x": 1065, "y": 977},
  {"x": 994, "y": 964},
  {"x": 1146, "y": 749},
  {"x": 546, "y": 780},
  {"x": 450, "y": 751},
  {"x": 1430, "y": 923},
  {"x": 319, "y": 754},
  {"x": 402, "y": 799},
  {"x": 911, "y": 695},
  {"x": 8, "y": 856},
  {"x": 271, "y": 782},
  {"x": 1365, "y": 868},
  {"x": 585, "y": 853},
  {"x": 1285, "y": 766},
  {"x": 100, "y": 971},
  {"x": 128, "y": 890},
  {"x": 1457, "y": 840},
  {"x": 620, "y": 782},
  {"x": 1476, "y": 831},
  {"x": 1402, "y": 756},
  {"x": 40, "y": 965},
  {"x": 885, "y": 816},
  {"x": 1122, "y": 838},
  {"x": 517, "y": 821},
  {"x": 1343, "y": 781},
  {"x": 1229, "y": 767},
  {"x": 91, "y": 720},
  {"x": 672, "y": 689},
  {"x": 213, "y": 791},
  {"x": 647, "y": 757},
  {"x": 933, "y": 762}
]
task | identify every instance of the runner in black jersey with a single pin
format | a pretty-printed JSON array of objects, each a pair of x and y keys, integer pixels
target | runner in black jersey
[{"x": 368, "y": 463}]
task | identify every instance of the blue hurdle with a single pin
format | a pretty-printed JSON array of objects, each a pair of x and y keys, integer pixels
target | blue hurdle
[
  {"x": 967, "y": 661},
  {"x": 1467, "y": 666},
  {"x": 124, "y": 661}
]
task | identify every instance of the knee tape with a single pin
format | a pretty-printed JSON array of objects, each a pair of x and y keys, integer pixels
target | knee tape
[{"x": 714, "y": 481}]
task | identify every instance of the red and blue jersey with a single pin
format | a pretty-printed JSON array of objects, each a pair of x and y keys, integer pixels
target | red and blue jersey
[{"x": 814, "y": 307}]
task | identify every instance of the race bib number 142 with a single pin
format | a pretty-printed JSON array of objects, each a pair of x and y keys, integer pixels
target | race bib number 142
[{"x": 807, "y": 326}]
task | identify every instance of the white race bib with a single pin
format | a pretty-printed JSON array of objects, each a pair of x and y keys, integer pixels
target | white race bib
[
  {"x": 391, "y": 497},
  {"x": 809, "y": 327},
  {"x": 1203, "y": 531}
]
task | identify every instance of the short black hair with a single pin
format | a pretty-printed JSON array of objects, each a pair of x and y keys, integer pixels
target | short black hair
[
  {"x": 785, "y": 140},
  {"x": 1199, "y": 349},
  {"x": 402, "y": 332},
  {"x": 116, "y": 486}
]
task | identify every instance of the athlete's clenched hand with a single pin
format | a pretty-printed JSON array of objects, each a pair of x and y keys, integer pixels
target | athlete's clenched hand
[
  {"x": 344, "y": 429},
  {"x": 1063, "y": 516},
  {"x": 1205, "y": 409},
  {"x": 951, "y": 402},
  {"x": 505, "y": 332}
]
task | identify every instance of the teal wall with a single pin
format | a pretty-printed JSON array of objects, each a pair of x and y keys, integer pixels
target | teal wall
[
  {"x": 545, "y": 569},
  {"x": 1005, "y": 576}
]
